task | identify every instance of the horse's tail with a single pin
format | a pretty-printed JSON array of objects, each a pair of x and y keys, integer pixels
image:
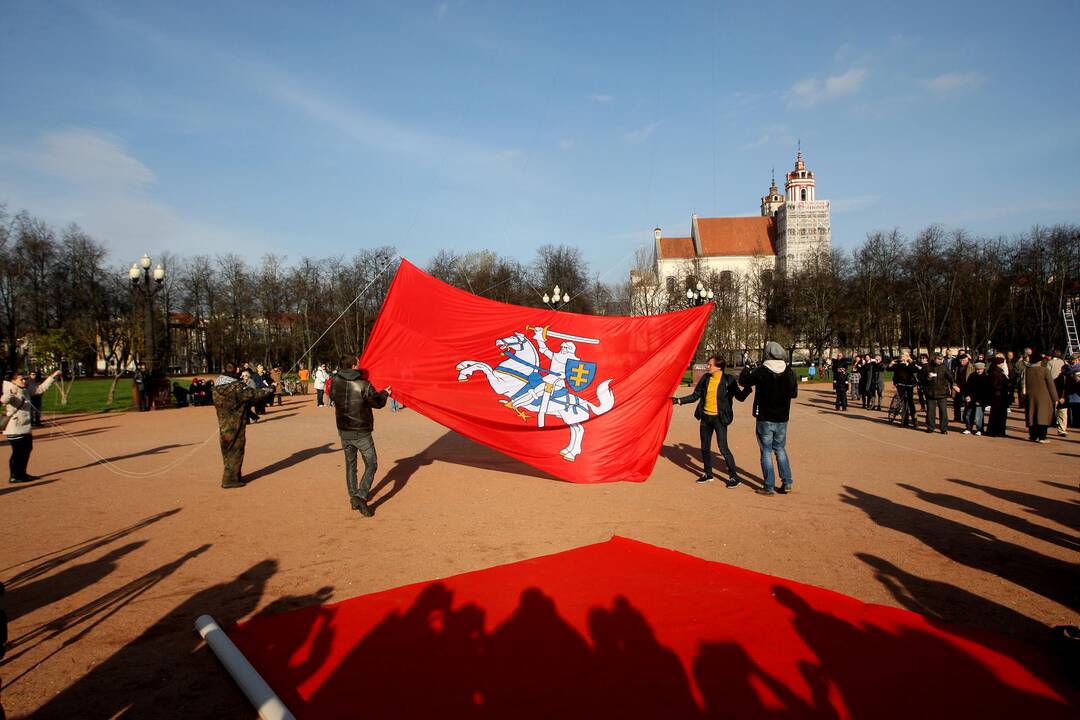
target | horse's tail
[{"x": 606, "y": 398}]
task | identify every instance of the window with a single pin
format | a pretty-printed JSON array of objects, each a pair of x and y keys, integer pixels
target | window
[
  {"x": 804, "y": 193},
  {"x": 671, "y": 285}
]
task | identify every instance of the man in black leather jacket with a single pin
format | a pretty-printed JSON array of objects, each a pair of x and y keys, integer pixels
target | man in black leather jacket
[
  {"x": 713, "y": 396},
  {"x": 354, "y": 397}
]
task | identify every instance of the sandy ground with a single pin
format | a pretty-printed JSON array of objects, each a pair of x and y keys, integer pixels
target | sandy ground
[{"x": 107, "y": 566}]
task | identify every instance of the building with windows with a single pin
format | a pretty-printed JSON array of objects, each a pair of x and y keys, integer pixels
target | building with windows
[{"x": 790, "y": 229}]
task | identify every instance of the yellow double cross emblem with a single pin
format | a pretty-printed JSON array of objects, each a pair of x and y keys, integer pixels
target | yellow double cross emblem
[{"x": 579, "y": 375}]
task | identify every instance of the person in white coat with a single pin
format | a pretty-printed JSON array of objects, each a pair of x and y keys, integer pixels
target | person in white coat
[
  {"x": 19, "y": 421},
  {"x": 321, "y": 376}
]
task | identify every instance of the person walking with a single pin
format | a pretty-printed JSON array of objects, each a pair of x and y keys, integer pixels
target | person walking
[
  {"x": 303, "y": 376},
  {"x": 142, "y": 386},
  {"x": 879, "y": 381},
  {"x": 714, "y": 394},
  {"x": 232, "y": 400},
  {"x": 18, "y": 422},
  {"x": 1056, "y": 365},
  {"x": 775, "y": 385},
  {"x": 976, "y": 392},
  {"x": 866, "y": 381},
  {"x": 1018, "y": 369},
  {"x": 1000, "y": 394},
  {"x": 939, "y": 385},
  {"x": 960, "y": 370},
  {"x": 321, "y": 376},
  {"x": 1072, "y": 391},
  {"x": 354, "y": 397},
  {"x": 36, "y": 378},
  {"x": 1042, "y": 399},
  {"x": 840, "y": 386},
  {"x": 276, "y": 376}
]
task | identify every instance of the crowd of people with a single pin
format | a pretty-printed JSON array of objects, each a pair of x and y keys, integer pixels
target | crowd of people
[{"x": 974, "y": 390}]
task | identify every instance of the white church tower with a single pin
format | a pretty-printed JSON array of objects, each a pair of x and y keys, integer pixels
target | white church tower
[{"x": 802, "y": 221}]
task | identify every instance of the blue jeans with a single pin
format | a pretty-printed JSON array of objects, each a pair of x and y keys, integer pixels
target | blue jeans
[
  {"x": 772, "y": 438},
  {"x": 973, "y": 417}
]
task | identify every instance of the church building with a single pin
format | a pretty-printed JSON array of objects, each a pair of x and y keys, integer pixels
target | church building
[{"x": 790, "y": 229}]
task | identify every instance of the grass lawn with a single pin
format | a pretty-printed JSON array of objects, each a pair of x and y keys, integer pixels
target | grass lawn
[{"x": 90, "y": 394}]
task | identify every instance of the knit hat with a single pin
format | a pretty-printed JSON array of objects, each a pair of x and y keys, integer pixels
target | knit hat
[
  {"x": 980, "y": 366},
  {"x": 773, "y": 351}
]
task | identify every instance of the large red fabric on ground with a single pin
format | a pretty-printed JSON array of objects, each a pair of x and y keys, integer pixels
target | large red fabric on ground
[
  {"x": 582, "y": 397},
  {"x": 628, "y": 630}
]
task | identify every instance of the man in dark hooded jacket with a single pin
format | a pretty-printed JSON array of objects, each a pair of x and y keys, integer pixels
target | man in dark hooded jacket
[
  {"x": 353, "y": 398},
  {"x": 232, "y": 400},
  {"x": 776, "y": 387}
]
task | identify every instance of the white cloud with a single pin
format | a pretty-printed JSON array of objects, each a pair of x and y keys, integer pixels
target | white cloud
[
  {"x": 950, "y": 82},
  {"x": 601, "y": 98},
  {"x": 641, "y": 134},
  {"x": 85, "y": 156},
  {"x": 773, "y": 135},
  {"x": 566, "y": 144},
  {"x": 812, "y": 91},
  {"x": 87, "y": 177}
]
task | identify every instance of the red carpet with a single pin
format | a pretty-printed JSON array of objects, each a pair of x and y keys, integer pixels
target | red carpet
[{"x": 628, "y": 630}]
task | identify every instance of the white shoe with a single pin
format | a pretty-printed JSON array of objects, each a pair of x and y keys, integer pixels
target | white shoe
[
  {"x": 967, "y": 432},
  {"x": 978, "y": 432},
  {"x": 1044, "y": 440}
]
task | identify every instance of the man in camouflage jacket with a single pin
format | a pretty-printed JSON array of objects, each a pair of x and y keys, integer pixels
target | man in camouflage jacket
[{"x": 232, "y": 399}]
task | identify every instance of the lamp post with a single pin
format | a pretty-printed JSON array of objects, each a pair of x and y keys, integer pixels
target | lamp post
[
  {"x": 147, "y": 283},
  {"x": 558, "y": 298},
  {"x": 698, "y": 295}
]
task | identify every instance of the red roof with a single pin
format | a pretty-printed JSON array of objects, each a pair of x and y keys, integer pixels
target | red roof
[
  {"x": 672, "y": 247},
  {"x": 737, "y": 236}
]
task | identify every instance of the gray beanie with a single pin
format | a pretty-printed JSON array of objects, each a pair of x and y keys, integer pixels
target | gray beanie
[{"x": 773, "y": 351}]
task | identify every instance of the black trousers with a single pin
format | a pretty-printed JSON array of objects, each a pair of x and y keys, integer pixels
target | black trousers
[
  {"x": 21, "y": 446},
  {"x": 939, "y": 407},
  {"x": 711, "y": 424},
  {"x": 958, "y": 407},
  {"x": 841, "y": 399},
  {"x": 1037, "y": 432}
]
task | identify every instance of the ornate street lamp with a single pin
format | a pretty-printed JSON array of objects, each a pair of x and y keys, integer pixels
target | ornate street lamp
[
  {"x": 698, "y": 295},
  {"x": 557, "y": 299},
  {"x": 147, "y": 283}
]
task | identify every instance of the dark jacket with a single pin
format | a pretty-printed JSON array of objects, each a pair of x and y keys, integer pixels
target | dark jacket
[
  {"x": 978, "y": 388},
  {"x": 353, "y": 398},
  {"x": 772, "y": 400},
  {"x": 903, "y": 373},
  {"x": 725, "y": 392},
  {"x": 999, "y": 387},
  {"x": 939, "y": 386}
]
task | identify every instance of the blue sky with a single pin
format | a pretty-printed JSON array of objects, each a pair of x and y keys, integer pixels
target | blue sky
[{"x": 319, "y": 128}]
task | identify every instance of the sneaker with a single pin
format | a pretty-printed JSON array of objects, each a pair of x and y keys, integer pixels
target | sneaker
[
  {"x": 764, "y": 491},
  {"x": 978, "y": 432},
  {"x": 1062, "y": 433},
  {"x": 1043, "y": 440},
  {"x": 784, "y": 489},
  {"x": 967, "y": 432},
  {"x": 733, "y": 482},
  {"x": 704, "y": 479}
]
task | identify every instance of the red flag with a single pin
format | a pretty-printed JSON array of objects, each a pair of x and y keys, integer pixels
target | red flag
[{"x": 582, "y": 397}]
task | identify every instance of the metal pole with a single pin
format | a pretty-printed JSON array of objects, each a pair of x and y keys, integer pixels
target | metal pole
[{"x": 265, "y": 700}]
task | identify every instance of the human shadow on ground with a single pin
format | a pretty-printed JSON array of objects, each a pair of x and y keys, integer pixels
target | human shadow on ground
[
  {"x": 1066, "y": 513},
  {"x": 65, "y": 435},
  {"x": 296, "y": 458},
  {"x": 49, "y": 561},
  {"x": 23, "y": 486},
  {"x": 1063, "y": 486},
  {"x": 1052, "y": 578},
  {"x": 688, "y": 457},
  {"x": 450, "y": 447},
  {"x": 25, "y": 598},
  {"x": 1041, "y": 532},
  {"x": 167, "y": 671},
  {"x": 438, "y": 658},
  {"x": 117, "y": 458}
]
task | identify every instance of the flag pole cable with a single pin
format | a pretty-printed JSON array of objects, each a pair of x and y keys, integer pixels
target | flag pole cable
[{"x": 258, "y": 692}]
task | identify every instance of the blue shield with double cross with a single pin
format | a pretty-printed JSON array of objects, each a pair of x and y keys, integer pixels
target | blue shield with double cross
[{"x": 580, "y": 374}]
